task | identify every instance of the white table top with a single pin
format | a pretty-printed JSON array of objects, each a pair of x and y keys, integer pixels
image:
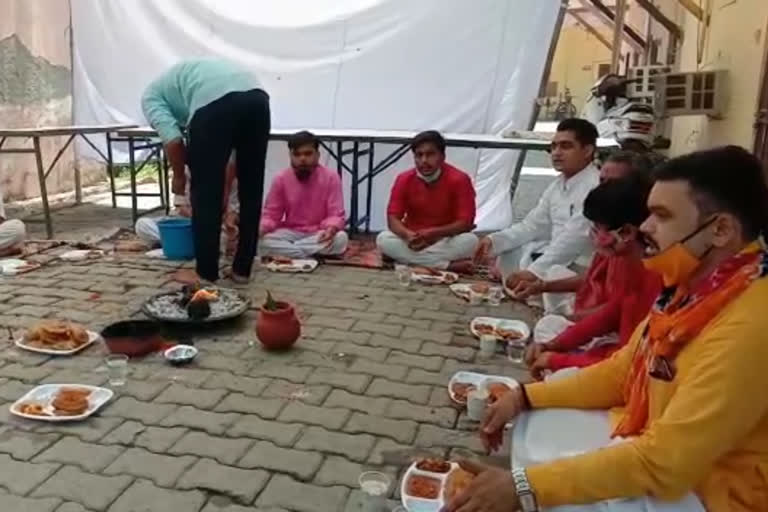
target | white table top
[
  {"x": 50, "y": 131},
  {"x": 520, "y": 140}
]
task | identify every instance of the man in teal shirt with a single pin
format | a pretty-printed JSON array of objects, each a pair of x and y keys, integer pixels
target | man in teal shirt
[{"x": 223, "y": 108}]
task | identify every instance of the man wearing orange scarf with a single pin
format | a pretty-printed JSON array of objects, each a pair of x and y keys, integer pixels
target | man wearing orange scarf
[{"x": 689, "y": 388}]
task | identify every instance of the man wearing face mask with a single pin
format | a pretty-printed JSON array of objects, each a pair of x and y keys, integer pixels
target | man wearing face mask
[
  {"x": 691, "y": 433},
  {"x": 554, "y": 233},
  {"x": 431, "y": 210},
  {"x": 304, "y": 210},
  {"x": 616, "y": 209}
]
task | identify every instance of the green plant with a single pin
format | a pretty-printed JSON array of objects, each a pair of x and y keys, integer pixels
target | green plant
[{"x": 271, "y": 304}]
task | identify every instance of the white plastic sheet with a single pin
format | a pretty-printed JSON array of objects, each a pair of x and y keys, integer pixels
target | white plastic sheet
[{"x": 451, "y": 65}]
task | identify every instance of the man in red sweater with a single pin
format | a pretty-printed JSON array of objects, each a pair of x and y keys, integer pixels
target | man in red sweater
[
  {"x": 616, "y": 208},
  {"x": 431, "y": 210}
]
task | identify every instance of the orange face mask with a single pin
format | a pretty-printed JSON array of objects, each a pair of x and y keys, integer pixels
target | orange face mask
[{"x": 676, "y": 263}]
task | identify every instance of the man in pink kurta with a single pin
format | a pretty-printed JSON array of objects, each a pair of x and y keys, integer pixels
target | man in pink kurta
[{"x": 303, "y": 214}]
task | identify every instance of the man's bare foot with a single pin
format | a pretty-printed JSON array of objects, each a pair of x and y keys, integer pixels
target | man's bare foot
[
  {"x": 462, "y": 267},
  {"x": 236, "y": 278},
  {"x": 186, "y": 276}
]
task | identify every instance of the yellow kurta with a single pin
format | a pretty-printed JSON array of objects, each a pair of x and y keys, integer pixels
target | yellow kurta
[{"x": 707, "y": 430}]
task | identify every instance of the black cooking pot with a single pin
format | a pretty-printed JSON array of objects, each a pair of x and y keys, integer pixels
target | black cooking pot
[{"x": 133, "y": 338}]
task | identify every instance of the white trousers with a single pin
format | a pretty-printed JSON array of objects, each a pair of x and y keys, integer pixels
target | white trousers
[
  {"x": 550, "y": 326},
  {"x": 519, "y": 258},
  {"x": 12, "y": 233},
  {"x": 296, "y": 244},
  {"x": 437, "y": 255},
  {"x": 548, "y": 434}
]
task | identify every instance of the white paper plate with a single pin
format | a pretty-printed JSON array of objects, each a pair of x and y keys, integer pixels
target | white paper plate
[
  {"x": 45, "y": 394},
  {"x": 156, "y": 254},
  {"x": 442, "y": 277},
  {"x": 503, "y": 323},
  {"x": 477, "y": 379},
  {"x": 92, "y": 337},
  {"x": 13, "y": 266},
  {"x": 296, "y": 266},
  {"x": 461, "y": 290},
  {"x": 416, "y": 504},
  {"x": 81, "y": 255}
]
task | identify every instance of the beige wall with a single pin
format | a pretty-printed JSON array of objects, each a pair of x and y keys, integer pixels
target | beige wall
[
  {"x": 576, "y": 61},
  {"x": 735, "y": 41}
]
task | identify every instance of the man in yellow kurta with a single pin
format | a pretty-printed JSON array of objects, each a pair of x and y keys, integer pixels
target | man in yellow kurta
[{"x": 691, "y": 386}]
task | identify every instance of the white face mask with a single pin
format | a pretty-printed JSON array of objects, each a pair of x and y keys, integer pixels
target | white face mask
[{"x": 432, "y": 177}]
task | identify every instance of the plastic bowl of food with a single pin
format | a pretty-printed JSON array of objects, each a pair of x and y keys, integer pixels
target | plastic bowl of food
[
  {"x": 133, "y": 338},
  {"x": 180, "y": 354}
]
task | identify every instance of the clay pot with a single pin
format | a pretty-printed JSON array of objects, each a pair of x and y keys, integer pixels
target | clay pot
[{"x": 278, "y": 330}]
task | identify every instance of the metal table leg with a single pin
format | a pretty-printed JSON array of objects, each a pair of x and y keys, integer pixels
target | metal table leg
[
  {"x": 354, "y": 198},
  {"x": 111, "y": 169},
  {"x": 43, "y": 187},
  {"x": 132, "y": 164}
]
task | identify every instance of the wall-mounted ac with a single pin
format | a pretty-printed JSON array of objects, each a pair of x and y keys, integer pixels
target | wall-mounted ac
[
  {"x": 695, "y": 93},
  {"x": 643, "y": 85}
]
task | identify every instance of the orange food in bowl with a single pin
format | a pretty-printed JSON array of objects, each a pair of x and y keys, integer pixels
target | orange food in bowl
[{"x": 423, "y": 487}]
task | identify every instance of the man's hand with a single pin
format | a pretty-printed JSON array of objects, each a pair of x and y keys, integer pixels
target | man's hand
[
  {"x": 540, "y": 365},
  {"x": 525, "y": 289},
  {"x": 483, "y": 250},
  {"x": 498, "y": 414},
  {"x": 415, "y": 241},
  {"x": 179, "y": 183},
  {"x": 326, "y": 236},
  {"x": 515, "y": 278},
  {"x": 532, "y": 351},
  {"x": 184, "y": 211},
  {"x": 430, "y": 236},
  {"x": 492, "y": 490}
]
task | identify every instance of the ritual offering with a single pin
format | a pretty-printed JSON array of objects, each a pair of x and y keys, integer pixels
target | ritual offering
[
  {"x": 277, "y": 325},
  {"x": 428, "y": 484},
  {"x": 61, "y": 402},
  {"x": 56, "y": 337},
  {"x": 194, "y": 303}
]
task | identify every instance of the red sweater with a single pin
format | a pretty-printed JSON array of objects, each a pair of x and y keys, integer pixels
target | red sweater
[{"x": 623, "y": 312}]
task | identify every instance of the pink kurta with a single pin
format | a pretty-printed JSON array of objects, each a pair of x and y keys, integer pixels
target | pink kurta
[{"x": 309, "y": 206}]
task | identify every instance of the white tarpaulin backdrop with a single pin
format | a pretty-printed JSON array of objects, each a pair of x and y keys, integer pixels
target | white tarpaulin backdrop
[{"x": 452, "y": 65}]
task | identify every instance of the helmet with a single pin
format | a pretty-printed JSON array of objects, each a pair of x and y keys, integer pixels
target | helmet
[{"x": 632, "y": 121}]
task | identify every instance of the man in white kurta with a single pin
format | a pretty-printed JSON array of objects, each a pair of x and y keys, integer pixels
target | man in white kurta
[
  {"x": 12, "y": 233},
  {"x": 554, "y": 237}
]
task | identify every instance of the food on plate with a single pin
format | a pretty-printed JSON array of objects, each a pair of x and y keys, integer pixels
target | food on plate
[
  {"x": 70, "y": 402},
  {"x": 306, "y": 266},
  {"x": 282, "y": 260},
  {"x": 508, "y": 334},
  {"x": 434, "y": 465},
  {"x": 456, "y": 482},
  {"x": 56, "y": 335},
  {"x": 450, "y": 278},
  {"x": 485, "y": 329},
  {"x": 496, "y": 390},
  {"x": 480, "y": 288},
  {"x": 461, "y": 390},
  {"x": 423, "y": 487},
  {"x": 425, "y": 271},
  {"x": 32, "y": 408}
]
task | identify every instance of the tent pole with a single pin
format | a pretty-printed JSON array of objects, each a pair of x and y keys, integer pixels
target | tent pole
[{"x": 542, "y": 90}]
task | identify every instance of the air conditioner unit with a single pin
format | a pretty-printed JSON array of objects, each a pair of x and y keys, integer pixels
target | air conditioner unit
[
  {"x": 643, "y": 85},
  {"x": 695, "y": 93}
]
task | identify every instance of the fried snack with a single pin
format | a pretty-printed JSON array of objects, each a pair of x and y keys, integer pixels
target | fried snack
[
  {"x": 70, "y": 402},
  {"x": 56, "y": 335},
  {"x": 423, "y": 487},
  {"x": 434, "y": 465},
  {"x": 485, "y": 329},
  {"x": 32, "y": 408},
  {"x": 480, "y": 288},
  {"x": 496, "y": 390},
  {"x": 456, "y": 482},
  {"x": 425, "y": 271},
  {"x": 461, "y": 390},
  {"x": 509, "y": 334}
]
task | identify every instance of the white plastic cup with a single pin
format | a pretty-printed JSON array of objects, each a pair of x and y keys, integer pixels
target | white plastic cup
[
  {"x": 403, "y": 273},
  {"x": 487, "y": 346},
  {"x": 495, "y": 296},
  {"x": 477, "y": 402},
  {"x": 475, "y": 299},
  {"x": 117, "y": 369},
  {"x": 375, "y": 487},
  {"x": 516, "y": 351}
]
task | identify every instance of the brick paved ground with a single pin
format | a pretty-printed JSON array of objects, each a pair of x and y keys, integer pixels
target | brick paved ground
[{"x": 242, "y": 429}]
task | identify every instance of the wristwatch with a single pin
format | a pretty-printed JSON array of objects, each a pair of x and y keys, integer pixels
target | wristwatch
[{"x": 524, "y": 492}]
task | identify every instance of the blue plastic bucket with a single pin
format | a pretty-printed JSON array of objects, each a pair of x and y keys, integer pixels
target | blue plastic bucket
[{"x": 176, "y": 238}]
